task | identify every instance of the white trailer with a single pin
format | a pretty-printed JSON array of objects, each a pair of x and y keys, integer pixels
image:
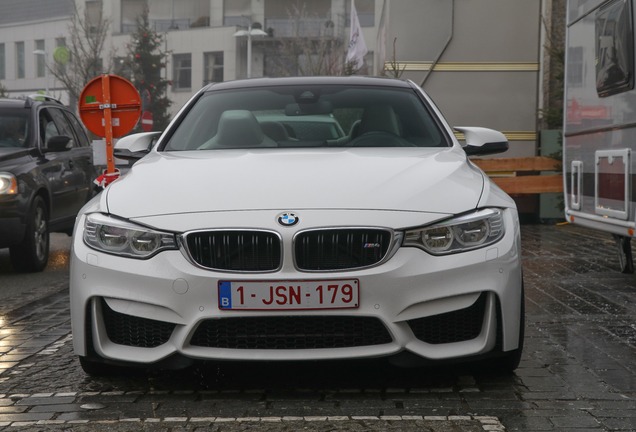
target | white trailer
[{"x": 599, "y": 142}]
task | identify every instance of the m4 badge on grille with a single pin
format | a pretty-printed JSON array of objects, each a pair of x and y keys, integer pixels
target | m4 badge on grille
[
  {"x": 287, "y": 219},
  {"x": 372, "y": 245}
]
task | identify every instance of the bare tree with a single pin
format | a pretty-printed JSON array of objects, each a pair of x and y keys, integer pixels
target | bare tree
[
  {"x": 310, "y": 51},
  {"x": 86, "y": 45},
  {"x": 394, "y": 67}
]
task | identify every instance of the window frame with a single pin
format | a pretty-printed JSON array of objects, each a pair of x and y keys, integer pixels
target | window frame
[
  {"x": 3, "y": 56},
  {"x": 623, "y": 10},
  {"x": 40, "y": 60},
  {"x": 20, "y": 67},
  {"x": 214, "y": 67},
  {"x": 177, "y": 70}
]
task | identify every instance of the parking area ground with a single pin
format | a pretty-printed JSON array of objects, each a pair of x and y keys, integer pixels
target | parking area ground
[{"x": 578, "y": 371}]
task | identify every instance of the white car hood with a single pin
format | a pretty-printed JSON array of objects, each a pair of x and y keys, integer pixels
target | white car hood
[{"x": 401, "y": 179}]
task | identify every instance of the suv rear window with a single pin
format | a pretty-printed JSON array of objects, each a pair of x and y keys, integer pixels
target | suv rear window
[{"x": 14, "y": 128}]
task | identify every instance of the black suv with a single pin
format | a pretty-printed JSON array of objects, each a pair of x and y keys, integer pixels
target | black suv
[{"x": 46, "y": 176}]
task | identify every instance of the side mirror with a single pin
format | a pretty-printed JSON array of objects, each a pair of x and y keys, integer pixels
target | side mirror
[
  {"x": 482, "y": 141},
  {"x": 58, "y": 143},
  {"x": 134, "y": 147}
]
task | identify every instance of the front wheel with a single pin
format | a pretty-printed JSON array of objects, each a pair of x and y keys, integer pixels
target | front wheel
[{"x": 32, "y": 254}]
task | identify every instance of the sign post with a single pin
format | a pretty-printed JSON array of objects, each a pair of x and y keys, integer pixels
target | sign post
[{"x": 109, "y": 107}]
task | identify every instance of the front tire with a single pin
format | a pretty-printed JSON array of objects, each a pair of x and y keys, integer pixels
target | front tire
[{"x": 32, "y": 254}]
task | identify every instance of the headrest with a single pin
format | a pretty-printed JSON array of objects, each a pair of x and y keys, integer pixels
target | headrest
[
  {"x": 355, "y": 129},
  {"x": 379, "y": 118},
  {"x": 274, "y": 130},
  {"x": 239, "y": 128}
]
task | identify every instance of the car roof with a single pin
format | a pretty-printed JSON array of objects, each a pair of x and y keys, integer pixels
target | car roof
[
  {"x": 353, "y": 80},
  {"x": 28, "y": 103},
  {"x": 12, "y": 103}
]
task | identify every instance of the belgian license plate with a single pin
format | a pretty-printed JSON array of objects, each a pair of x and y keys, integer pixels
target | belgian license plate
[{"x": 289, "y": 295}]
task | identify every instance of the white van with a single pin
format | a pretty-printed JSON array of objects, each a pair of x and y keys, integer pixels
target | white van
[{"x": 599, "y": 142}]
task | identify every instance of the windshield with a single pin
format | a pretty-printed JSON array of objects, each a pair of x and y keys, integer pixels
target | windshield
[
  {"x": 307, "y": 116},
  {"x": 14, "y": 127}
]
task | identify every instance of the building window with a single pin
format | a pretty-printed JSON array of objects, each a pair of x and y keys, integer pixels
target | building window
[
  {"x": 131, "y": 11},
  {"x": 182, "y": 74},
  {"x": 40, "y": 59},
  {"x": 237, "y": 12},
  {"x": 2, "y": 70},
  {"x": 291, "y": 18},
  {"x": 93, "y": 13},
  {"x": 212, "y": 67},
  {"x": 365, "y": 10},
  {"x": 19, "y": 59},
  {"x": 614, "y": 48},
  {"x": 61, "y": 68},
  {"x": 179, "y": 15}
]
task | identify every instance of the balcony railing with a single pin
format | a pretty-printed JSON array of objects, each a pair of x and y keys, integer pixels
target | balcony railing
[
  {"x": 162, "y": 25},
  {"x": 308, "y": 27}
]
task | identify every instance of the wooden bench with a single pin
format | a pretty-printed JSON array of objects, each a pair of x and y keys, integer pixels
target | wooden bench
[{"x": 512, "y": 183}]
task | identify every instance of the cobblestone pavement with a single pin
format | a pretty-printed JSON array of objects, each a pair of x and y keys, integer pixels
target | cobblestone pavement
[{"x": 578, "y": 372}]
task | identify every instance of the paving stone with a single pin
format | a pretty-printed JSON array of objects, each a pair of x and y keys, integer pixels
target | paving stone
[
  {"x": 619, "y": 423},
  {"x": 12, "y": 409},
  {"x": 45, "y": 401},
  {"x": 25, "y": 417},
  {"x": 56, "y": 408},
  {"x": 574, "y": 422}
]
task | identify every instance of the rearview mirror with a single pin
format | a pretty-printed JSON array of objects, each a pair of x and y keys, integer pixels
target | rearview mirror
[
  {"x": 483, "y": 141},
  {"x": 134, "y": 147},
  {"x": 299, "y": 109}
]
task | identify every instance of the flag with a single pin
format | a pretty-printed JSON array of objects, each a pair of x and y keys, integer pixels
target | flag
[
  {"x": 357, "y": 46},
  {"x": 380, "y": 56}
]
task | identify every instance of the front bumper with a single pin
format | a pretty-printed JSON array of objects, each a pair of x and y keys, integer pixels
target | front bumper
[{"x": 410, "y": 286}]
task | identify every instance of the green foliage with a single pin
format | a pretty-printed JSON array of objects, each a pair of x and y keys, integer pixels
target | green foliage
[
  {"x": 143, "y": 67},
  {"x": 3, "y": 92}
]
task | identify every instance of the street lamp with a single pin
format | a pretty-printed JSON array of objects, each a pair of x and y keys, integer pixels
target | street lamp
[
  {"x": 249, "y": 33},
  {"x": 46, "y": 69}
]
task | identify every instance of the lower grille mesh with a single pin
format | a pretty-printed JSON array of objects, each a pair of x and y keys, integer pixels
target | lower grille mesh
[
  {"x": 457, "y": 326},
  {"x": 134, "y": 331},
  {"x": 286, "y": 332}
]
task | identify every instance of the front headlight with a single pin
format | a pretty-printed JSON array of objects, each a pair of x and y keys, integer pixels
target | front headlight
[
  {"x": 8, "y": 184},
  {"x": 123, "y": 238},
  {"x": 463, "y": 233}
]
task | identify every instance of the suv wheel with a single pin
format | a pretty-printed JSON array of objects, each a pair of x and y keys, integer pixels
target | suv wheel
[{"x": 32, "y": 254}]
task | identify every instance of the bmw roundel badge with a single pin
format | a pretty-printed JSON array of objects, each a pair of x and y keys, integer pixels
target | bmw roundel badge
[{"x": 287, "y": 219}]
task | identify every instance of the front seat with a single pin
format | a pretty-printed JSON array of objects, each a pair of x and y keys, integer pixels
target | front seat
[
  {"x": 238, "y": 129},
  {"x": 379, "y": 118},
  {"x": 379, "y": 127}
]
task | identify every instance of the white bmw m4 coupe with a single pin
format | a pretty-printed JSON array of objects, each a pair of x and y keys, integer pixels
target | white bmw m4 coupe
[{"x": 300, "y": 219}]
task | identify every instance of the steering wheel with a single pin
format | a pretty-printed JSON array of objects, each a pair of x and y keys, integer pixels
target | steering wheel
[{"x": 379, "y": 139}]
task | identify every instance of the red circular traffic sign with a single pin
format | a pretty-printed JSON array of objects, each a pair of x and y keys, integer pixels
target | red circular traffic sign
[
  {"x": 146, "y": 121},
  {"x": 122, "y": 99}
]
